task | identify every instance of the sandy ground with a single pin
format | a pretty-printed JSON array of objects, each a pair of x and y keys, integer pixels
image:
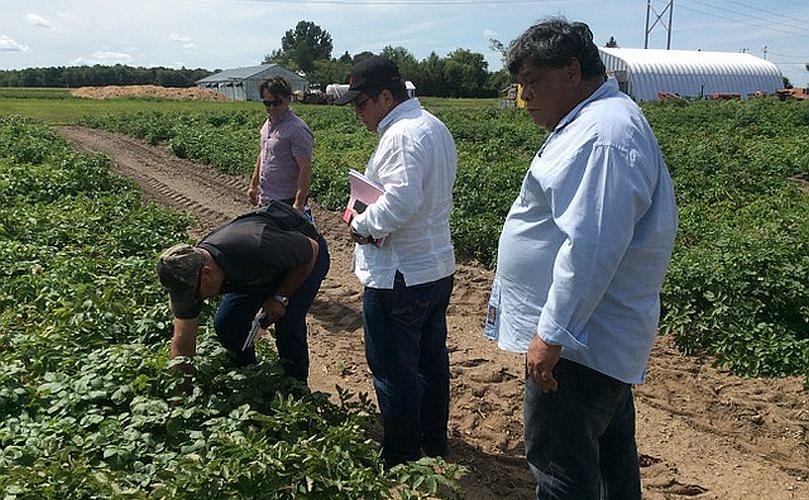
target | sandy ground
[{"x": 702, "y": 432}]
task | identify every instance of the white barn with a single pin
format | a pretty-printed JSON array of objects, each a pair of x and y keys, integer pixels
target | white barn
[
  {"x": 642, "y": 73},
  {"x": 241, "y": 84}
]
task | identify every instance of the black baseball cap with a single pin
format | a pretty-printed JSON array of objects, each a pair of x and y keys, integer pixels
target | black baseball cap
[{"x": 371, "y": 73}]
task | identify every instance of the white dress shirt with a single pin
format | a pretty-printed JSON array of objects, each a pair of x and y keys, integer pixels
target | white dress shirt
[{"x": 415, "y": 160}]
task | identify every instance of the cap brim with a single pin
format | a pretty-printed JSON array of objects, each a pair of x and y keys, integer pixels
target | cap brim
[
  {"x": 347, "y": 97},
  {"x": 182, "y": 302}
]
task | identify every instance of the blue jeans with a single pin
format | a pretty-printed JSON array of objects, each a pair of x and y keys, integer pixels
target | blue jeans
[
  {"x": 237, "y": 310},
  {"x": 406, "y": 349},
  {"x": 580, "y": 440}
]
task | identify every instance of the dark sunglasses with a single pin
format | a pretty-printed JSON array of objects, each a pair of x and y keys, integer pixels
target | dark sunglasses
[
  {"x": 358, "y": 105},
  {"x": 273, "y": 102}
]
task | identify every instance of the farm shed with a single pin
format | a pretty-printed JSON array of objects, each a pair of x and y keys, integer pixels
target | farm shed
[
  {"x": 642, "y": 73},
  {"x": 241, "y": 84}
]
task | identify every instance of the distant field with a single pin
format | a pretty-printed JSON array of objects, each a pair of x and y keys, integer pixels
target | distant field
[
  {"x": 33, "y": 93},
  {"x": 56, "y": 106}
]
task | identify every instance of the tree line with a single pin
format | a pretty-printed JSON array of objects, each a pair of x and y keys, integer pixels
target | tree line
[
  {"x": 98, "y": 75},
  {"x": 305, "y": 49},
  {"x": 462, "y": 73}
]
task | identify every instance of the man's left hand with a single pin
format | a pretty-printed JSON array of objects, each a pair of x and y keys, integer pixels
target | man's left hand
[
  {"x": 275, "y": 311},
  {"x": 358, "y": 238},
  {"x": 540, "y": 360}
]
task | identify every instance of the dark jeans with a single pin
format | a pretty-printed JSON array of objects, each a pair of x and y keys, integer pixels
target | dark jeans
[
  {"x": 237, "y": 310},
  {"x": 406, "y": 349},
  {"x": 580, "y": 440}
]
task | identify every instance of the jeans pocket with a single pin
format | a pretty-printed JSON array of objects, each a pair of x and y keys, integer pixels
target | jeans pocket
[{"x": 410, "y": 305}]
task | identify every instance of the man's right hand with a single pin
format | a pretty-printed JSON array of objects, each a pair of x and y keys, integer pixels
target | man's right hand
[{"x": 540, "y": 361}]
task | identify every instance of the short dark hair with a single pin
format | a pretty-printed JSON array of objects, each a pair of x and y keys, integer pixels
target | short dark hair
[
  {"x": 277, "y": 86},
  {"x": 555, "y": 42}
]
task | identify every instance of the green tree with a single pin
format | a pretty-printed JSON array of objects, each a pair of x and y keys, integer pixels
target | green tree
[
  {"x": 430, "y": 79},
  {"x": 304, "y": 45},
  {"x": 407, "y": 62},
  {"x": 466, "y": 74},
  {"x": 325, "y": 72},
  {"x": 346, "y": 58}
]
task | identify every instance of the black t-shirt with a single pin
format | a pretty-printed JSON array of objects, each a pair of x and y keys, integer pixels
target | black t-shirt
[{"x": 254, "y": 255}]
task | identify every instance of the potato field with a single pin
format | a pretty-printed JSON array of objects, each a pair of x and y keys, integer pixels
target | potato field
[{"x": 90, "y": 409}]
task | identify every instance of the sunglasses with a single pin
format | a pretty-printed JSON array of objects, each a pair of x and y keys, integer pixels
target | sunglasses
[
  {"x": 272, "y": 102},
  {"x": 361, "y": 104}
]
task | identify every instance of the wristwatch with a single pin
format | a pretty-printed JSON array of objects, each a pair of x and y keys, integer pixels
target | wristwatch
[{"x": 282, "y": 299}]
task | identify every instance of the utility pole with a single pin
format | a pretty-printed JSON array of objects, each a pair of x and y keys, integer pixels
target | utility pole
[
  {"x": 764, "y": 51},
  {"x": 659, "y": 19}
]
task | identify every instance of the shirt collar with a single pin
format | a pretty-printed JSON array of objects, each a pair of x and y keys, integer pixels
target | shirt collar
[
  {"x": 282, "y": 118},
  {"x": 606, "y": 88},
  {"x": 396, "y": 113}
]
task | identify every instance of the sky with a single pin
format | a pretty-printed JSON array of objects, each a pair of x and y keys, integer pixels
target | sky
[{"x": 223, "y": 34}]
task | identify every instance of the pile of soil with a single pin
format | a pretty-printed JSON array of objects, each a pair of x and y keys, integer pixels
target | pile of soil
[{"x": 177, "y": 93}]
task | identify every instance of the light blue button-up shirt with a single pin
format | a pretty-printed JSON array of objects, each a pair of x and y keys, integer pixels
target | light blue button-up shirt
[{"x": 585, "y": 246}]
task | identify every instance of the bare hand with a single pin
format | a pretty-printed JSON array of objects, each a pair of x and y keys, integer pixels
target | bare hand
[
  {"x": 252, "y": 195},
  {"x": 540, "y": 360},
  {"x": 358, "y": 238},
  {"x": 275, "y": 311}
]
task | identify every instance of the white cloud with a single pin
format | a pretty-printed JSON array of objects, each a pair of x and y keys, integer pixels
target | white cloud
[
  {"x": 190, "y": 46},
  {"x": 104, "y": 57},
  {"x": 38, "y": 21},
  {"x": 176, "y": 37},
  {"x": 487, "y": 33},
  {"x": 8, "y": 44}
]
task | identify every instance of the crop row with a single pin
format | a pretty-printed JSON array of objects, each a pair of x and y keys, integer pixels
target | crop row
[
  {"x": 89, "y": 406},
  {"x": 738, "y": 286}
]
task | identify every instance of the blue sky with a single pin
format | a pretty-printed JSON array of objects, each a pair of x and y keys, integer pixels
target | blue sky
[{"x": 223, "y": 34}]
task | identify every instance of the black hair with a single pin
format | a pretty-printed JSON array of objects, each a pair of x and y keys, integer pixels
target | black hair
[
  {"x": 555, "y": 42},
  {"x": 397, "y": 89},
  {"x": 277, "y": 86}
]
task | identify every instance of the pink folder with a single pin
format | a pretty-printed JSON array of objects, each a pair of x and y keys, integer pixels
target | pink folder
[{"x": 364, "y": 191}]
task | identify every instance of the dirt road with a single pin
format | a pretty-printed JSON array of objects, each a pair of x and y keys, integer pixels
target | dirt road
[{"x": 702, "y": 432}]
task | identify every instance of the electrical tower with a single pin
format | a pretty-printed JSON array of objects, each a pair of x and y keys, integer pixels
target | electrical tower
[{"x": 658, "y": 19}]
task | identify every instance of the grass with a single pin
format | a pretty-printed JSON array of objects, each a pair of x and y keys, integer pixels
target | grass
[
  {"x": 70, "y": 109},
  {"x": 55, "y": 106}
]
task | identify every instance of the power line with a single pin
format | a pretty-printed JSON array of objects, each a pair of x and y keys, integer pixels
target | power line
[
  {"x": 771, "y": 14},
  {"x": 739, "y": 21}
]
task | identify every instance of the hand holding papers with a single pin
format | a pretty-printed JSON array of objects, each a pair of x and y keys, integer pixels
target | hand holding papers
[{"x": 364, "y": 191}]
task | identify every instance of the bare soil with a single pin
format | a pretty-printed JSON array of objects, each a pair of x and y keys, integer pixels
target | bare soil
[{"x": 702, "y": 432}]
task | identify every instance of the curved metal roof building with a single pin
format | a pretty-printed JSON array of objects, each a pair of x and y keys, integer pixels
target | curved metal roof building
[{"x": 642, "y": 73}]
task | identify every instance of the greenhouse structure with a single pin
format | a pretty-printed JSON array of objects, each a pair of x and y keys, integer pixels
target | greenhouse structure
[{"x": 650, "y": 74}]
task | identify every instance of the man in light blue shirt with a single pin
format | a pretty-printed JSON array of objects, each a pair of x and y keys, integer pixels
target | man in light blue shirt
[{"x": 582, "y": 255}]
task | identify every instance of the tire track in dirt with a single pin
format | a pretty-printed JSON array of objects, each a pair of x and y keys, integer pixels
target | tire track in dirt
[{"x": 702, "y": 432}]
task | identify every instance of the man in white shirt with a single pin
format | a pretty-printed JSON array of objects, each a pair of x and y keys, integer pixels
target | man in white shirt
[
  {"x": 408, "y": 278},
  {"x": 582, "y": 255}
]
